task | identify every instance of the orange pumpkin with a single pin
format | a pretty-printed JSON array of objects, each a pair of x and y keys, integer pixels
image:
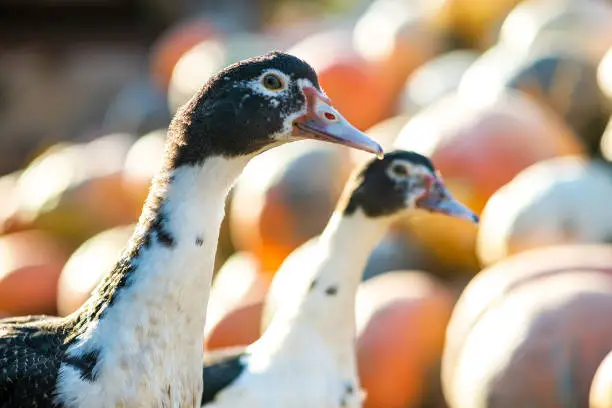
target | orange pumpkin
[
  {"x": 76, "y": 191},
  {"x": 170, "y": 47},
  {"x": 395, "y": 36},
  {"x": 355, "y": 85},
  {"x": 30, "y": 265},
  {"x": 528, "y": 331},
  {"x": 239, "y": 327},
  {"x": 600, "y": 395},
  {"x": 285, "y": 197},
  {"x": 401, "y": 317},
  {"x": 235, "y": 304},
  {"x": 479, "y": 146},
  {"x": 447, "y": 243},
  {"x": 142, "y": 162},
  {"x": 474, "y": 23},
  {"x": 87, "y": 265}
]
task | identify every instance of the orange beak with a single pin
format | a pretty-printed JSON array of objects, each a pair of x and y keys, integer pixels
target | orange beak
[{"x": 323, "y": 122}]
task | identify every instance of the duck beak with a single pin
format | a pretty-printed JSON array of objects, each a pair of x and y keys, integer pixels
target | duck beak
[
  {"x": 440, "y": 200},
  {"x": 323, "y": 122}
]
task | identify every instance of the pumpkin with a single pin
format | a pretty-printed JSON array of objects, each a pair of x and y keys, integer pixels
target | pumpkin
[
  {"x": 479, "y": 146},
  {"x": 87, "y": 265},
  {"x": 175, "y": 42},
  {"x": 384, "y": 132},
  {"x": 606, "y": 142},
  {"x": 558, "y": 201},
  {"x": 395, "y": 36},
  {"x": 604, "y": 74},
  {"x": 600, "y": 395},
  {"x": 528, "y": 332},
  {"x": 340, "y": 67},
  {"x": 284, "y": 197},
  {"x": 142, "y": 162},
  {"x": 469, "y": 22},
  {"x": 567, "y": 83},
  {"x": 30, "y": 266},
  {"x": 10, "y": 201},
  {"x": 485, "y": 78},
  {"x": 434, "y": 79},
  {"x": 401, "y": 317},
  {"x": 76, "y": 190},
  {"x": 235, "y": 304},
  {"x": 581, "y": 26}
]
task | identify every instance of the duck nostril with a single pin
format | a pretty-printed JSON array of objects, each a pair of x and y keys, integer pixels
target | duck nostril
[{"x": 330, "y": 116}]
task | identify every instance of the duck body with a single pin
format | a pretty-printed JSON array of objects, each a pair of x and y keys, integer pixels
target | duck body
[
  {"x": 306, "y": 357},
  {"x": 304, "y": 375},
  {"x": 137, "y": 341}
]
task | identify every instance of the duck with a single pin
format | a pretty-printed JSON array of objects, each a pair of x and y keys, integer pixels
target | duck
[
  {"x": 137, "y": 341},
  {"x": 306, "y": 356}
]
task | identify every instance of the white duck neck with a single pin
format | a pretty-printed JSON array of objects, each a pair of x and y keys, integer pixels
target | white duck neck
[
  {"x": 146, "y": 319},
  {"x": 328, "y": 304}
]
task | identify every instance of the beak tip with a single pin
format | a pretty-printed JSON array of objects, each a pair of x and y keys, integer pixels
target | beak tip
[{"x": 380, "y": 153}]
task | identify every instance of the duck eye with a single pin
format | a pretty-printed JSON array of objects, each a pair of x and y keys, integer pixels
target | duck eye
[
  {"x": 272, "y": 82},
  {"x": 399, "y": 170}
]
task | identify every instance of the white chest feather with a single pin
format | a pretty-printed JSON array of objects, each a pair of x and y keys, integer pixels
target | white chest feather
[{"x": 304, "y": 376}]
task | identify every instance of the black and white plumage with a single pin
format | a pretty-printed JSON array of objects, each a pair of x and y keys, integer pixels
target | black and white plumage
[
  {"x": 137, "y": 342},
  {"x": 306, "y": 356}
]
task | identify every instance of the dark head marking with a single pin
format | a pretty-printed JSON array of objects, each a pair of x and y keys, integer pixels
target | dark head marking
[
  {"x": 199, "y": 241},
  {"x": 331, "y": 291},
  {"x": 384, "y": 187},
  {"x": 241, "y": 110}
]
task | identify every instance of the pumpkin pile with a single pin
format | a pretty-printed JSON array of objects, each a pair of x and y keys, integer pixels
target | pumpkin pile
[{"x": 512, "y": 101}]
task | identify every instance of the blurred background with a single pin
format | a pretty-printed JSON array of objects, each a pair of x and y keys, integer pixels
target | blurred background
[{"x": 511, "y": 99}]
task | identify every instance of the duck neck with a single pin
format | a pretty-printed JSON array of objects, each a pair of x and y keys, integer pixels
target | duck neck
[
  {"x": 328, "y": 303},
  {"x": 149, "y": 311}
]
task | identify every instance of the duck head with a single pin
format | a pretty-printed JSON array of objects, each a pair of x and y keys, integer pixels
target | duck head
[
  {"x": 256, "y": 104},
  {"x": 402, "y": 180}
]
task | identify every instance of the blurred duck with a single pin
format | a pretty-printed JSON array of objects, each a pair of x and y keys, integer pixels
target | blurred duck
[
  {"x": 138, "y": 340},
  {"x": 306, "y": 357}
]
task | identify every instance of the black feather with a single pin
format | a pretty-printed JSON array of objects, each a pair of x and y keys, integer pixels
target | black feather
[{"x": 221, "y": 369}]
